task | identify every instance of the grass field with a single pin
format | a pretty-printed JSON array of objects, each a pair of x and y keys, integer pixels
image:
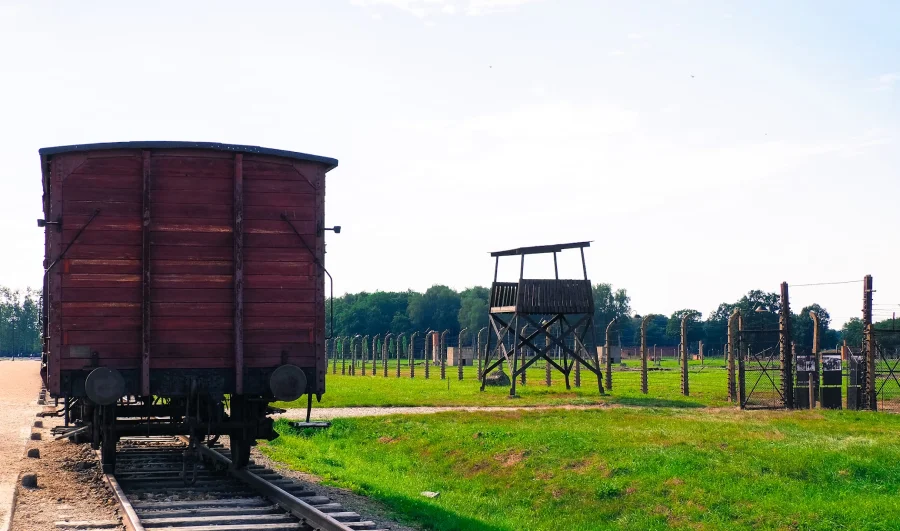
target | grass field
[
  {"x": 708, "y": 388},
  {"x": 618, "y": 468}
]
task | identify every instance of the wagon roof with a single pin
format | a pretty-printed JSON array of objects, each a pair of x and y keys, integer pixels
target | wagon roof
[{"x": 330, "y": 162}]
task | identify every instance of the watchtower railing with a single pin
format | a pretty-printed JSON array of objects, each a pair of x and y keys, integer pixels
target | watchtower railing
[{"x": 542, "y": 296}]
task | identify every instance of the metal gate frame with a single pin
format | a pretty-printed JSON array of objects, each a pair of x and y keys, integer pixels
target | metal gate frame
[
  {"x": 784, "y": 389},
  {"x": 763, "y": 363},
  {"x": 887, "y": 367}
]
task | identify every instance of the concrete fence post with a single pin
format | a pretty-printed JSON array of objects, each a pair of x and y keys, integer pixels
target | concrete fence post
[
  {"x": 399, "y": 350},
  {"x": 385, "y": 352},
  {"x": 364, "y": 353},
  {"x": 685, "y": 389},
  {"x": 522, "y": 351},
  {"x": 412, "y": 354},
  {"x": 429, "y": 338},
  {"x": 548, "y": 369},
  {"x": 578, "y": 370},
  {"x": 459, "y": 358},
  {"x": 480, "y": 355},
  {"x": 442, "y": 352},
  {"x": 354, "y": 343},
  {"x": 608, "y": 348},
  {"x": 375, "y": 341},
  {"x": 733, "y": 326},
  {"x": 644, "y": 384},
  {"x": 329, "y": 355}
]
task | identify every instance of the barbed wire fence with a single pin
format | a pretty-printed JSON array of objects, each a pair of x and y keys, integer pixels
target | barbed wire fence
[{"x": 634, "y": 371}]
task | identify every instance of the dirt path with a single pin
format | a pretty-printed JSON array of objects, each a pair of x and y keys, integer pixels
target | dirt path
[
  {"x": 20, "y": 382},
  {"x": 329, "y": 413}
]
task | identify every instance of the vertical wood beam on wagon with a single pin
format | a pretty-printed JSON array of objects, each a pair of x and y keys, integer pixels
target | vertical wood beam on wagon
[
  {"x": 54, "y": 276},
  {"x": 238, "y": 231},
  {"x": 145, "y": 273}
]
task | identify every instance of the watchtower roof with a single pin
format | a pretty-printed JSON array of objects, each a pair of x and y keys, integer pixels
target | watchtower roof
[{"x": 541, "y": 249}]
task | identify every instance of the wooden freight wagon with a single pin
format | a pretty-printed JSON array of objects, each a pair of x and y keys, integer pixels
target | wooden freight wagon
[{"x": 184, "y": 287}]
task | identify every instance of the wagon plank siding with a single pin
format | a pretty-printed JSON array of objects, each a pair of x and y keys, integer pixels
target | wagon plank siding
[
  {"x": 276, "y": 262},
  {"x": 100, "y": 309},
  {"x": 108, "y": 208},
  {"x": 201, "y": 212},
  {"x": 187, "y": 317}
]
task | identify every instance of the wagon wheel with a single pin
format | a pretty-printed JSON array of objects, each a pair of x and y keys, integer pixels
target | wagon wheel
[
  {"x": 108, "y": 438},
  {"x": 240, "y": 450},
  {"x": 239, "y": 438}
]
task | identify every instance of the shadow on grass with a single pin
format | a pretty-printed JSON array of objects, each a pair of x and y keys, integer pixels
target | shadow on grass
[
  {"x": 655, "y": 402},
  {"x": 429, "y": 516}
]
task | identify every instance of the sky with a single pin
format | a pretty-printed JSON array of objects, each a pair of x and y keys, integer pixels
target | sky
[{"x": 705, "y": 148}]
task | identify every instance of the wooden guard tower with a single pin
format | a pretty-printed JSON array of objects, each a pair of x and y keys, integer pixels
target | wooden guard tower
[{"x": 560, "y": 310}]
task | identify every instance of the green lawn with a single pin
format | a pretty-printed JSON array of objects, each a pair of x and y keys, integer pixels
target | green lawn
[
  {"x": 619, "y": 468},
  {"x": 708, "y": 384}
]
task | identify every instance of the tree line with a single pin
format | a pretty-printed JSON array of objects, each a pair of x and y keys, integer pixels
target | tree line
[
  {"x": 20, "y": 329},
  {"x": 442, "y": 308}
]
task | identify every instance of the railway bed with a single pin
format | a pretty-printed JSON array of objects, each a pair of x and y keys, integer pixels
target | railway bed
[{"x": 153, "y": 494}]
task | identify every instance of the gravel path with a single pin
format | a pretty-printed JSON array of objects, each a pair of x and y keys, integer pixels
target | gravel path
[
  {"x": 20, "y": 383},
  {"x": 328, "y": 413}
]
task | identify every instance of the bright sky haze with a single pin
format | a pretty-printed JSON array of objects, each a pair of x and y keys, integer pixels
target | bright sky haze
[{"x": 706, "y": 148}]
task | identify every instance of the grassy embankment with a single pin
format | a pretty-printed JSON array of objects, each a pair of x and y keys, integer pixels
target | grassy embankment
[
  {"x": 620, "y": 468},
  {"x": 708, "y": 388}
]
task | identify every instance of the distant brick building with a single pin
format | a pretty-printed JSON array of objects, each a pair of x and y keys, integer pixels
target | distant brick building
[{"x": 455, "y": 355}]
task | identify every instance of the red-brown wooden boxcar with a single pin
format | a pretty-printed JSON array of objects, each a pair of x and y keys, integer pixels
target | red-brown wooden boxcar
[{"x": 186, "y": 276}]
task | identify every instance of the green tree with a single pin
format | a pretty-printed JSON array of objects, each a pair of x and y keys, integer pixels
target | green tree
[
  {"x": 473, "y": 310},
  {"x": 437, "y": 308},
  {"x": 19, "y": 322},
  {"x": 802, "y": 327},
  {"x": 695, "y": 330},
  {"x": 852, "y": 332},
  {"x": 656, "y": 331},
  {"x": 371, "y": 313},
  {"x": 609, "y": 304}
]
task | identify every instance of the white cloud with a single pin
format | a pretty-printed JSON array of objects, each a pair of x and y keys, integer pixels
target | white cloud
[
  {"x": 635, "y": 36},
  {"x": 426, "y": 8},
  {"x": 488, "y": 7},
  {"x": 886, "y": 82},
  {"x": 672, "y": 108},
  {"x": 616, "y": 53}
]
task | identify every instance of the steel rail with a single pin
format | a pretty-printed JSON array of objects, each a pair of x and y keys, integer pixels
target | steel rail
[
  {"x": 305, "y": 512},
  {"x": 129, "y": 517}
]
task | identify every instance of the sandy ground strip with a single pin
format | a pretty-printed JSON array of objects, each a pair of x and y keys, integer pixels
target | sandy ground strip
[
  {"x": 70, "y": 487},
  {"x": 20, "y": 383}
]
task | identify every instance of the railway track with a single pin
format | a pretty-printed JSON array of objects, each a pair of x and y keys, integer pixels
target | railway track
[{"x": 150, "y": 487}]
